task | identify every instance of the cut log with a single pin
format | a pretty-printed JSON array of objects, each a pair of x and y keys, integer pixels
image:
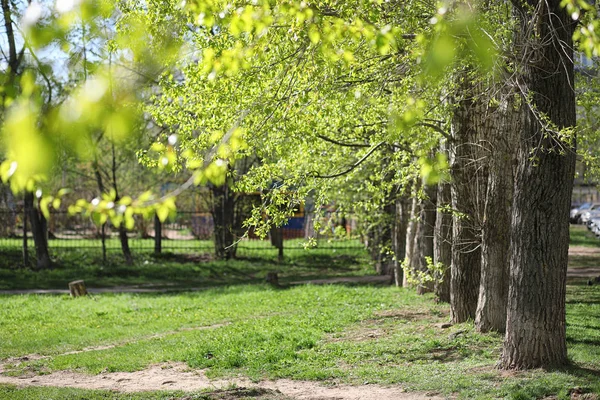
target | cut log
[{"x": 77, "y": 288}]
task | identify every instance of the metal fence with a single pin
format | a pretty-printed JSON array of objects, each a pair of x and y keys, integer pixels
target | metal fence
[{"x": 187, "y": 232}]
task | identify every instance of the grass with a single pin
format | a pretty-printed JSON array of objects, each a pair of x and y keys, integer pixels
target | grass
[
  {"x": 335, "y": 333},
  {"x": 581, "y": 236},
  {"x": 179, "y": 271},
  {"x": 11, "y": 392},
  {"x": 354, "y": 334}
]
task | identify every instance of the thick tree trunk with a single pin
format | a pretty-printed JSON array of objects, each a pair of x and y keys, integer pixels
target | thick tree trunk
[
  {"x": 39, "y": 230},
  {"x": 466, "y": 189},
  {"x": 427, "y": 230},
  {"x": 442, "y": 243},
  {"x": 535, "y": 327},
  {"x": 501, "y": 130},
  {"x": 223, "y": 212}
]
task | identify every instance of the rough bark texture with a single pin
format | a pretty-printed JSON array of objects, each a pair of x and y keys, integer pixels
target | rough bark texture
[
  {"x": 468, "y": 184},
  {"x": 442, "y": 243},
  {"x": 501, "y": 129},
  {"x": 535, "y": 328},
  {"x": 427, "y": 228},
  {"x": 38, "y": 226}
]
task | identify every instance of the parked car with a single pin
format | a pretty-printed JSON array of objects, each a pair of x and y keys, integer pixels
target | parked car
[
  {"x": 586, "y": 215},
  {"x": 594, "y": 225},
  {"x": 577, "y": 210}
]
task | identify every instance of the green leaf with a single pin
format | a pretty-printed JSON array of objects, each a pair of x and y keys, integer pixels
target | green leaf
[
  {"x": 162, "y": 212},
  {"x": 44, "y": 206}
]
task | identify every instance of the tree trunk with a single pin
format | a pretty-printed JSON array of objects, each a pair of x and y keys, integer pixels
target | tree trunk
[
  {"x": 223, "y": 210},
  {"x": 157, "y": 235},
  {"x": 402, "y": 216},
  {"x": 25, "y": 238},
  {"x": 501, "y": 127},
  {"x": 411, "y": 233},
  {"x": 39, "y": 230},
  {"x": 466, "y": 191},
  {"x": 536, "y": 327},
  {"x": 103, "y": 241},
  {"x": 124, "y": 239},
  {"x": 277, "y": 241},
  {"x": 385, "y": 261},
  {"x": 425, "y": 242},
  {"x": 442, "y": 243}
]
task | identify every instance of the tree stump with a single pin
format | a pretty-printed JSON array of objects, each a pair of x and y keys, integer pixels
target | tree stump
[
  {"x": 77, "y": 288},
  {"x": 272, "y": 278}
]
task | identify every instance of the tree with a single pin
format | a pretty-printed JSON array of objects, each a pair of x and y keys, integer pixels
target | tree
[
  {"x": 17, "y": 62},
  {"x": 502, "y": 125},
  {"x": 535, "y": 329}
]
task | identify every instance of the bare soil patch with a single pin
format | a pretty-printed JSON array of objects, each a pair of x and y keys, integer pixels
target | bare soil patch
[{"x": 177, "y": 376}]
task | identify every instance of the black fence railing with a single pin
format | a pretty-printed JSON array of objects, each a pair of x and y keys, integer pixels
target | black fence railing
[{"x": 190, "y": 232}]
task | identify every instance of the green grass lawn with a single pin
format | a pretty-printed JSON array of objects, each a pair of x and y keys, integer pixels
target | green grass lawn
[
  {"x": 334, "y": 333},
  {"x": 179, "y": 270},
  {"x": 581, "y": 236}
]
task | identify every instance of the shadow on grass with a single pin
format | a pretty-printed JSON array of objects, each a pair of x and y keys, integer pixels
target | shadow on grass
[{"x": 178, "y": 270}]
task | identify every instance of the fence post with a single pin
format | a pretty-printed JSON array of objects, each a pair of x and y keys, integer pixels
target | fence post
[
  {"x": 25, "y": 249},
  {"x": 157, "y": 235}
]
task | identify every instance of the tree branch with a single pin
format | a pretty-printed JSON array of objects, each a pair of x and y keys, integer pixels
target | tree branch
[
  {"x": 344, "y": 144},
  {"x": 435, "y": 128},
  {"x": 353, "y": 166}
]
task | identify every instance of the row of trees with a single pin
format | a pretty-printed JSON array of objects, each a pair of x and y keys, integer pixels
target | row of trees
[{"x": 449, "y": 128}]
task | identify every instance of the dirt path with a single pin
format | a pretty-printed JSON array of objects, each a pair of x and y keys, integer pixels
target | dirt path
[
  {"x": 176, "y": 376},
  {"x": 369, "y": 279}
]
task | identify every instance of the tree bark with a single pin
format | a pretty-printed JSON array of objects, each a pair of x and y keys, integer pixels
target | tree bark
[
  {"x": 77, "y": 288},
  {"x": 427, "y": 230},
  {"x": 124, "y": 239},
  {"x": 103, "y": 241},
  {"x": 39, "y": 230},
  {"x": 276, "y": 234},
  {"x": 25, "y": 239},
  {"x": 536, "y": 327},
  {"x": 402, "y": 216},
  {"x": 411, "y": 233},
  {"x": 466, "y": 189},
  {"x": 442, "y": 243},
  {"x": 501, "y": 129},
  {"x": 384, "y": 263},
  {"x": 157, "y": 235}
]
